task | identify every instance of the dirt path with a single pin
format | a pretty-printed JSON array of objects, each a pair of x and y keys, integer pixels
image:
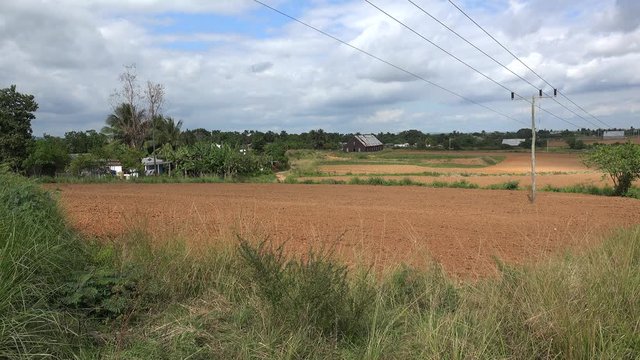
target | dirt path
[{"x": 460, "y": 228}]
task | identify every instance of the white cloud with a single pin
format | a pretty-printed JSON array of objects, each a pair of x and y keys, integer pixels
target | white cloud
[{"x": 69, "y": 54}]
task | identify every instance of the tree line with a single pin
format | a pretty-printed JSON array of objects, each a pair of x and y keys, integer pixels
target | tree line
[{"x": 137, "y": 127}]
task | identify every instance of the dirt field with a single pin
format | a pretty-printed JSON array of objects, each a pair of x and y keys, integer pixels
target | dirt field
[
  {"x": 555, "y": 169},
  {"x": 462, "y": 229}
]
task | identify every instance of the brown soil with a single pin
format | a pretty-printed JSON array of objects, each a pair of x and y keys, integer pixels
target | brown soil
[
  {"x": 513, "y": 163},
  {"x": 461, "y": 229},
  {"x": 542, "y": 180}
]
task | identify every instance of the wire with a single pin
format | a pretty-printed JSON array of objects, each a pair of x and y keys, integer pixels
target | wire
[
  {"x": 460, "y": 60},
  {"x": 389, "y": 63},
  {"x": 494, "y": 59},
  {"x": 525, "y": 65},
  {"x": 442, "y": 49}
]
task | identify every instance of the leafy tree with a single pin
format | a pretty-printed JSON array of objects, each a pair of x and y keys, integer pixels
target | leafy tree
[
  {"x": 127, "y": 125},
  {"x": 80, "y": 142},
  {"x": 574, "y": 143},
  {"x": 48, "y": 156},
  {"x": 86, "y": 163},
  {"x": 620, "y": 162},
  {"x": 16, "y": 113}
]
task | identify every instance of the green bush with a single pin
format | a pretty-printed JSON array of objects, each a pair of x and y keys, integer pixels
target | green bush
[{"x": 509, "y": 185}]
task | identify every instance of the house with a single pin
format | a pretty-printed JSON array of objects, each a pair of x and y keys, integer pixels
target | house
[
  {"x": 114, "y": 166},
  {"x": 151, "y": 165},
  {"x": 363, "y": 143},
  {"x": 618, "y": 134},
  {"x": 512, "y": 142}
]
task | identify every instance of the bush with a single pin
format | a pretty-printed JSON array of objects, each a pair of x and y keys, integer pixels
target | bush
[
  {"x": 509, "y": 185},
  {"x": 620, "y": 162}
]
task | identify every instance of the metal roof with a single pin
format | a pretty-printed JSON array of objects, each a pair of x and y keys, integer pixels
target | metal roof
[
  {"x": 368, "y": 140},
  {"x": 512, "y": 142},
  {"x": 148, "y": 161}
]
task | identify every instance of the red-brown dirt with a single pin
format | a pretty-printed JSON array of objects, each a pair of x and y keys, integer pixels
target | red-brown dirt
[{"x": 462, "y": 229}]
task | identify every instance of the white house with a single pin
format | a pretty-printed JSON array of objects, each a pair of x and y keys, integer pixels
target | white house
[
  {"x": 151, "y": 164},
  {"x": 512, "y": 142},
  {"x": 618, "y": 134}
]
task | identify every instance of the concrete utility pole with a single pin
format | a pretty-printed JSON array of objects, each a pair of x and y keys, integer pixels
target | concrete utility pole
[{"x": 532, "y": 196}]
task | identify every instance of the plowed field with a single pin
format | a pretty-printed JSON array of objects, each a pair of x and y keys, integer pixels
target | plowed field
[{"x": 461, "y": 229}]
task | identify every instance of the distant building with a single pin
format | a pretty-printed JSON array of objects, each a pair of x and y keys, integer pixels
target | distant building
[
  {"x": 512, "y": 142},
  {"x": 363, "y": 143},
  {"x": 150, "y": 165},
  {"x": 114, "y": 166},
  {"x": 613, "y": 134}
]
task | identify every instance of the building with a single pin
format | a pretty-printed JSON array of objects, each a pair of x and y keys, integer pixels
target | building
[
  {"x": 613, "y": 134},
  {"x": 115, "y": 167},
  {"x": 363, "y": 143},
  {"x": 150, "y": 165},
  {"x": 512, "y": 142}
]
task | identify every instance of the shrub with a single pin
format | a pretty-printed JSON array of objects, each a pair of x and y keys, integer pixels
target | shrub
[{"x": 620, "y": 162}]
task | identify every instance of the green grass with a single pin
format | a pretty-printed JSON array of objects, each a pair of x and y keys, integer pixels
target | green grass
[
  {"x": 62, "y": 296},
  {"x": 634, "y": 192},
  {"x": 163, "y": 179},
  {"x": 509, "y": 185},
  {"x": 401, "y": 162}
]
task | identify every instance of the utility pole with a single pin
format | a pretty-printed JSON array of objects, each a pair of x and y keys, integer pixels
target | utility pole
[{"x": 532, "y": 196}]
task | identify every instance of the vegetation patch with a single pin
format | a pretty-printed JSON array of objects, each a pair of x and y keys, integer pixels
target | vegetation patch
[{"x": 67, "y": 297}]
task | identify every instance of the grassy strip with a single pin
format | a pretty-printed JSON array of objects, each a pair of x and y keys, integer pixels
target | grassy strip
[
  {"x": 131, "y": 299},
  {"x": 634, "y": 192},
  {"x": 444, "y": 165},
  {"x": 38, "y": 254},
  {"x": 266, "y": 178}
]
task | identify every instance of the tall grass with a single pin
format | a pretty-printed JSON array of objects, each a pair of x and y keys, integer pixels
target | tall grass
[
  {"x": 135, "y": 299},
  {"x": 38, "y": 254}
]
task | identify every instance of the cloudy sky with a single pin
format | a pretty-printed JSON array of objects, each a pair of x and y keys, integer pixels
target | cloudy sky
[{"x": 235, "y": 65}]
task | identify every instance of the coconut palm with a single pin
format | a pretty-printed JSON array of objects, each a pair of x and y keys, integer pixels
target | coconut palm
[
  {"x": 168, "y": 131},
  {"x": 127, "y": 125}
]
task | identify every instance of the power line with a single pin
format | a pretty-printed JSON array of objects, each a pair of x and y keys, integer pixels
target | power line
[
  {"x": 442, "y": 49},
  {"x": 494, "y": 59},
  {"x": 525, "y": 65},
  {"x": 460, "y": 60},
  {"x": 389, "y": 63}
]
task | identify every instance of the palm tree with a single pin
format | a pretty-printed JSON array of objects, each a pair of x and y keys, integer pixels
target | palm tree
[
  {"x": 127, "y": 125},
  {"x": 168, "y": 131}
]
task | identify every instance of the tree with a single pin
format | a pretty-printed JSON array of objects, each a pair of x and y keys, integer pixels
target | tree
[
  {"x": 48, "y": 156},
  {"x": 620, "y": 162},
  {"x": 168, "y": 131},
  {"x": 126, "y": 125},
  {"x": 16, "y": 113},
  {"x": 80, "y": 142}
]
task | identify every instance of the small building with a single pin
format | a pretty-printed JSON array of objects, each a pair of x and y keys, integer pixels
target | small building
[
  {"x": 114, "y": 166},
  {"x": 363, "y": 143},
  {"x": 150, "y": 165},
  {"x": 618, "y": 134},
  {"x": 512, "y": 142}
]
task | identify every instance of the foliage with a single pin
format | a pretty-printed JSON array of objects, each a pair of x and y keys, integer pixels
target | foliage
[
  {"x": 313, "y": 292},
  {"x": 509, "y": 185},
  {"x": 575, "y": 143},
  {"x": 38, "y": 254},
  {"x": 16, "y": 113},
  {"x": 127, "y": 125},
  {"x": 82, "y": 142},
  {"x": 85, "y": 164},
  {"x": 48, "y": 157},
  {"x": 620, "y": 162},
  {"x": 225, "y": 161}
]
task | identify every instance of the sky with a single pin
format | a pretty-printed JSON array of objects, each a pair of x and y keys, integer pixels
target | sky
[{"x": 236, "y": 65}]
